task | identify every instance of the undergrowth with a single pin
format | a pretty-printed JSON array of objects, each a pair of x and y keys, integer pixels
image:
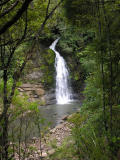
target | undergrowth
[{"x": 89, "y": 140}]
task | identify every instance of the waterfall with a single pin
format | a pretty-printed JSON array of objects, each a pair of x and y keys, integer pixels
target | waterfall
[{"x": 63, "y": 91}]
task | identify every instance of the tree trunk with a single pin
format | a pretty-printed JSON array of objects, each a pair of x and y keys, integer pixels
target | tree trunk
[
  {"x": 4, "y": 121},
  {"x": 102, "y": 67}
]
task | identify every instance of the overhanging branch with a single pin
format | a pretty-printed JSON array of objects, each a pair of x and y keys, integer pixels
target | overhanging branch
[
  {"x": 16, "y": 17},
  {"x": 6, "y": 11}
]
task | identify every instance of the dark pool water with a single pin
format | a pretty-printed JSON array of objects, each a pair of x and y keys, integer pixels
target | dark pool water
[{"x": 54, "y": 113}]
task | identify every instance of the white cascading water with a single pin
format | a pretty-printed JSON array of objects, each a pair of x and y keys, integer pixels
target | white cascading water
[{"x": 63, "y": 91}]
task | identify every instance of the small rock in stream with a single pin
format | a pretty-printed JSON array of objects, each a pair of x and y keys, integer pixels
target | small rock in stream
[{"x": 64, "y": 118}]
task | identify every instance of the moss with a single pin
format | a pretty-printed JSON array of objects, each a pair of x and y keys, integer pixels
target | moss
[
  {"x": 47, "y": 68},
  {"x": 77, "y": 72},
  {"x": 78, "y": 118}
]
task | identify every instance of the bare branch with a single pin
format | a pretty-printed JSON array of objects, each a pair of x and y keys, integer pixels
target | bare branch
[{"x": 47, "y": 8}]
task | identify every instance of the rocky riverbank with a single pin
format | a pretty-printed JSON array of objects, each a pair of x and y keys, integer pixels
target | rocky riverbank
[{"x": 45, "y": 146}]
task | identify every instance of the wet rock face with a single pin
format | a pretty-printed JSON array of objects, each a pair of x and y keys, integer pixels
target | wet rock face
[
  {"x": 35, "y": 92},
  {"x": 50, "y": 97},
  {"x": 35, "y": 75},
  {"x": 40, "y": 91}
]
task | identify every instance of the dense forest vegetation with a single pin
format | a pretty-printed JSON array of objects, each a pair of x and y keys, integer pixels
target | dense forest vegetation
[{"x": 89, "y": 41}]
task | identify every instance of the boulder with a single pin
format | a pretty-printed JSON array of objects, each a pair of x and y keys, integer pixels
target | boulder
[
  {"x": 27, "y": 85},
  {"x": 40, "y": 91},
  {"x": 29, "y": 93},
  {"x": 21, "y": 89},
  {"x": 50, "y": 152},
  {"x": 38, "y": 86},
  {"x": 59, "y": 126},
  {"x": 29, "y": 89},
  {"x": 44, "y": 154},
  {"x": 64, "y": 118}
]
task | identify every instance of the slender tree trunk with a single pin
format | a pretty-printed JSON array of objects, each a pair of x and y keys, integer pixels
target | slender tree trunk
[
  {"x": 102, "y": 68},
  {"x": 110, "y": 66},
  {"x": 13, "y": 142},
  {"x": 5, "y": 120},
  {"x": 20, "y": 136},
  {"x": 5, "y": 138},
  {"x": 40, "y": 141},
  {"x": 25, "y": 138},
  {"x": 103, "y": 90}
]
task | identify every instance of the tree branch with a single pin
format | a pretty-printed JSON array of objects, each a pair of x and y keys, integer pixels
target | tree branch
[
  {"x": 17, "y": 75},
  {"x": 47, "y": 8},
  {"x": 9, "y": 9},
  {"x": 18, "y": 43},
  {"x": 48, "y": 15},
  {"x": 16, "y": 17}
]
